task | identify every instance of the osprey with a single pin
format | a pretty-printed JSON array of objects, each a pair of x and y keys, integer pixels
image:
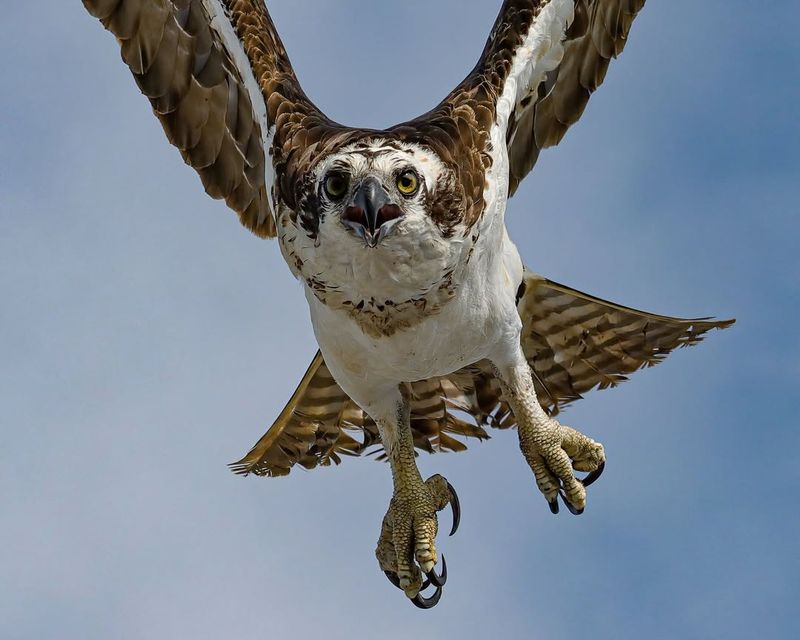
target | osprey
[{"x": 419, "y": 300}]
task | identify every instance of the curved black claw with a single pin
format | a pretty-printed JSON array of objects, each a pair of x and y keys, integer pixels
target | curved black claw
[
  {"x": 436, "y": 581},
  {"x": 594, "y": 475},
  {"x": 422, "y": 602},
  {"x": 455, "y": 505},
  {"x": 553, "y": 505},
  {"x": 572, "y": 509},
  {"x": 393, "y": 578}
]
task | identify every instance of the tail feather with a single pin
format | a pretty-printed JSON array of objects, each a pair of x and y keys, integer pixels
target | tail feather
[{"x": 574, "y": 342}]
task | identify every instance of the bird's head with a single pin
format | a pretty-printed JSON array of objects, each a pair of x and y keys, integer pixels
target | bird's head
[
  {"x": 375, "y": 191},
  {"x": 378, "y": 218}
]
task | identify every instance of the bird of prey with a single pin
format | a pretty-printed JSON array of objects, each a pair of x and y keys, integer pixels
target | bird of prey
[{"x": 429, "y": 326}]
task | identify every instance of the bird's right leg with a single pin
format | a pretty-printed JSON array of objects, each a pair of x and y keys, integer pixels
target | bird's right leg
[{"x": 407, "y": 545}]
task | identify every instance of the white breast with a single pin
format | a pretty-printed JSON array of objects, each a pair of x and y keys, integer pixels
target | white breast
[{"x": 469, "y": 328}]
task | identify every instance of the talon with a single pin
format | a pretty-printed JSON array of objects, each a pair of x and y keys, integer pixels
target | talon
[
  {"x": 436, "y": 581},
  {"x": 393, "y": 578},
  {"x": 573, "y": 510},
  {"x": 422, "y": 602},
  {"x": 553, "y": 505},
  {"x": 406, "y": 549},
  {"x": 594, "y": 475},
  {"x": 455, "y": 505}
]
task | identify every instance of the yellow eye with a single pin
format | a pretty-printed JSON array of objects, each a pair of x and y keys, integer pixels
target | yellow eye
[
  {"x": 336, "y": 185},
  {"x": 407, "y": 183}
]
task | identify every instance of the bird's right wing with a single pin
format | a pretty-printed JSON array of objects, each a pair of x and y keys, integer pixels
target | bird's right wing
[{"x": 220, "y": 81}]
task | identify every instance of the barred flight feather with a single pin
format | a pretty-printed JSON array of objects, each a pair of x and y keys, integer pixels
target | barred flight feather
[{"x": 208, "y": 105}]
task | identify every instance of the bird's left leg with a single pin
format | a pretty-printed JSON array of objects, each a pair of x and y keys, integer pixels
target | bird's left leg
[
  {"x": 407, "y": 545},
  {"x": 551, "y": 449}
]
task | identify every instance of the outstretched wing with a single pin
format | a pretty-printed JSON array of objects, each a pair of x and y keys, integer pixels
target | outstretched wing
[
  {"x": 574, "y": 342},
  {"x": 542, "y": 62},
  {"x": 220, "y": 82},
  {"x": 598, "y": 32}
]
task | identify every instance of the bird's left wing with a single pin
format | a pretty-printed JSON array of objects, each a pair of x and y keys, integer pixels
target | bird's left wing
[
  {"x": 220, "y": 81},
  {"x": 540, "y": 65},
  {"x": 547, "y": 105}
]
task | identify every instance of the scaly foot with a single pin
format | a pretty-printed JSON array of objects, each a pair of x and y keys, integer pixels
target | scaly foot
[
  {"x": 408, "y": 534},
  {"x": 553, "y": 451}
]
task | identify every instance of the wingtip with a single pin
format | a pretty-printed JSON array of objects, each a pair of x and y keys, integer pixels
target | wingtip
[
  {"x": 704, "y": 325},
  {"x": 240, "y": 468}
]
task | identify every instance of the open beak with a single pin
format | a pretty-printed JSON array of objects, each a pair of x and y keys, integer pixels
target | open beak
[{"x": 370, "y": 213}]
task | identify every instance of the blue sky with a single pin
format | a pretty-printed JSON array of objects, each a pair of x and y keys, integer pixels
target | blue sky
[{"x": 146, "y": 340}]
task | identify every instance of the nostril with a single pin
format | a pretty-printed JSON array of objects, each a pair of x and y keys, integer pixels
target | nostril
[
  {"x": 356, "y": 215},
  {"x": 386, "y": 213}
]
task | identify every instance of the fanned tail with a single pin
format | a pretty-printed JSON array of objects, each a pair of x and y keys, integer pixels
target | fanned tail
[{"x": 574, "y": 342}]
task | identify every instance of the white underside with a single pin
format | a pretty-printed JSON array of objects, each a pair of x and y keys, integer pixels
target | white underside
[{"x": 478, "y": 323}]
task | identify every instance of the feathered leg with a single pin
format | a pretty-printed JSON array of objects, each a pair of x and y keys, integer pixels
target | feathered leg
[{"x": 551, "y": 449}]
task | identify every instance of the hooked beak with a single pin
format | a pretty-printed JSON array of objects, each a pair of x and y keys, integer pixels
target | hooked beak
[{"x": 370, "y": 213}]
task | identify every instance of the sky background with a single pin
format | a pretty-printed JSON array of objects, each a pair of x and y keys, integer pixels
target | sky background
[{"x": 146, "y": 340}]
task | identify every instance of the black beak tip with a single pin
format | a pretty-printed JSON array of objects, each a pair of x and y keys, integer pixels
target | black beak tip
[{"x": 370, "y": 211}]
